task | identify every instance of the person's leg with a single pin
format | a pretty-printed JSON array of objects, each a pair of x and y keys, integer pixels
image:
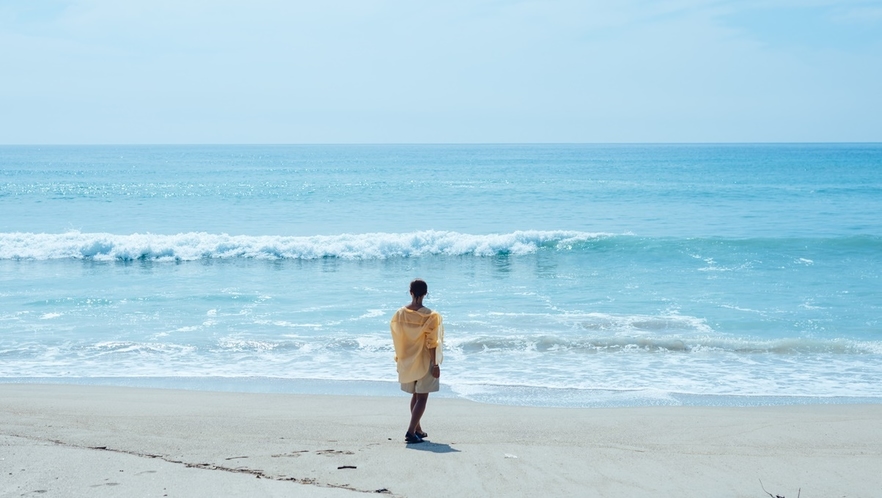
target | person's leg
[
  {"x": 418, "y": 407},
  {"x": 419, "y": 429}
]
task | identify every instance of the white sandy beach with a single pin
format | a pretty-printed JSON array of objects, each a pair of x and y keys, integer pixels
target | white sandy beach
[{"x": 66, "y": 440}]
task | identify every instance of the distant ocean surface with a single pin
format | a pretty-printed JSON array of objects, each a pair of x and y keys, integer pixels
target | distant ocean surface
[{"x": 568, "y": 275}]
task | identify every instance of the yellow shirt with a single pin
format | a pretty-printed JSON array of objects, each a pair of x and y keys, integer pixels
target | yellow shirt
[{"x": 414, "y": 333}]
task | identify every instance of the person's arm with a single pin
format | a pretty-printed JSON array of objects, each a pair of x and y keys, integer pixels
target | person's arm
[
  {"x": 434, "y": 367},
  {"x": 433, "y": 342}
]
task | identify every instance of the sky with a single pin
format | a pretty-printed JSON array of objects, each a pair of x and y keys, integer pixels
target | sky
[{"x": 442, "y": 71}]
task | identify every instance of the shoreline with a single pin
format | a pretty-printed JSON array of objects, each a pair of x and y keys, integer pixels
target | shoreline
[
  {"x": 77, "y": 440},
  {"x": 510, "y": 395}
]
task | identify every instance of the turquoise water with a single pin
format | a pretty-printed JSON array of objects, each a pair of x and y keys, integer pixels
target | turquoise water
[{"x": 576, "y": 275}]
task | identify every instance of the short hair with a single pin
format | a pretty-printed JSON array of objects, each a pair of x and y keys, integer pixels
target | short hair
[{"x": 419, "y": 288}]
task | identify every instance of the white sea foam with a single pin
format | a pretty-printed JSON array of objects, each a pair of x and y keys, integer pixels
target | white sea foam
[
  {"x": 370, "y": 314},
  {"x": 664, "y": 343},
  {"x": 200, "y": 245},
  {"x": 131, "y": 347},
  {"x": 508, "y": 370}
]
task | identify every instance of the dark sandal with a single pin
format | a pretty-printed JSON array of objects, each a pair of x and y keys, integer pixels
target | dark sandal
[
  {"x": 422, "y": 435},
  {"x": 410, "y": 438}
]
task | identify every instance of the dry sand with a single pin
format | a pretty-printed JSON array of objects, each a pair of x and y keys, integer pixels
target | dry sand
[{"x": 70, "y": 441}]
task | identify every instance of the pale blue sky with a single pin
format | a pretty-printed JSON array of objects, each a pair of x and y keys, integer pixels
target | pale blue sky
[{"x": 356, "y": 71}]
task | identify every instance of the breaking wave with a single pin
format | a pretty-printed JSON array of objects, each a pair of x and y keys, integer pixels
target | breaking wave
[{"x": 199, "y": 245}]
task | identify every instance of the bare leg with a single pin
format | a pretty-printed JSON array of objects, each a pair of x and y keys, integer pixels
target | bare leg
[
  {"x": 413, "y": 400},
  {"x": 417, "y": 408}
]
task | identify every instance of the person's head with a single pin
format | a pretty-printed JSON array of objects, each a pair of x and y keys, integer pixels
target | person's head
[{"x": 419, "y": 288}]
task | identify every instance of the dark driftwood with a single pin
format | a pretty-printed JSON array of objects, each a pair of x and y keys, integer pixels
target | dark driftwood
[{"x": 778, "y": 496}]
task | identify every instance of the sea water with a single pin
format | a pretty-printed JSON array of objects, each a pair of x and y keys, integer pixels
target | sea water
[{"x": 567, "y": 275}]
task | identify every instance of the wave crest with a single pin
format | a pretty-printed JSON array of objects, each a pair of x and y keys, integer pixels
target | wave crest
[{"x": 199, "y": 245}]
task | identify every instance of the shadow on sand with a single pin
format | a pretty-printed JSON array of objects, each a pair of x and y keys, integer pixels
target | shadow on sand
[{"x": 433, "y": 447}]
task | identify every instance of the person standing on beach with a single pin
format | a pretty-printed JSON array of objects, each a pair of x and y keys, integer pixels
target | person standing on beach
[{"x": 417, "y": 334}]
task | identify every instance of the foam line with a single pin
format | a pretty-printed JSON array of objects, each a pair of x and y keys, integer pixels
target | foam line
[{"x": 199, "y": 245}]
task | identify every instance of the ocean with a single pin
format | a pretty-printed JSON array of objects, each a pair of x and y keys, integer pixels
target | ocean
[{"x": 567, "y": 275}]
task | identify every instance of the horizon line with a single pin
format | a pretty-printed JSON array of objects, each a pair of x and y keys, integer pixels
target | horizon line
[{"x": 283, "y": 144}]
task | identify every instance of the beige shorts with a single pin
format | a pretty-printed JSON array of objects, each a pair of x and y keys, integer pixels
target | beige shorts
[{"x": 427, "y": 384}]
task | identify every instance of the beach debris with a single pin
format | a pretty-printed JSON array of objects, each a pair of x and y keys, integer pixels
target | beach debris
[
  {"x": 509, "y": 455},
  {"x": 777, "y": 496},
  {"x": 257, "y": 473},
  {"x": 333, "y": 452},
  {"x": 292, "y": 454}
]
